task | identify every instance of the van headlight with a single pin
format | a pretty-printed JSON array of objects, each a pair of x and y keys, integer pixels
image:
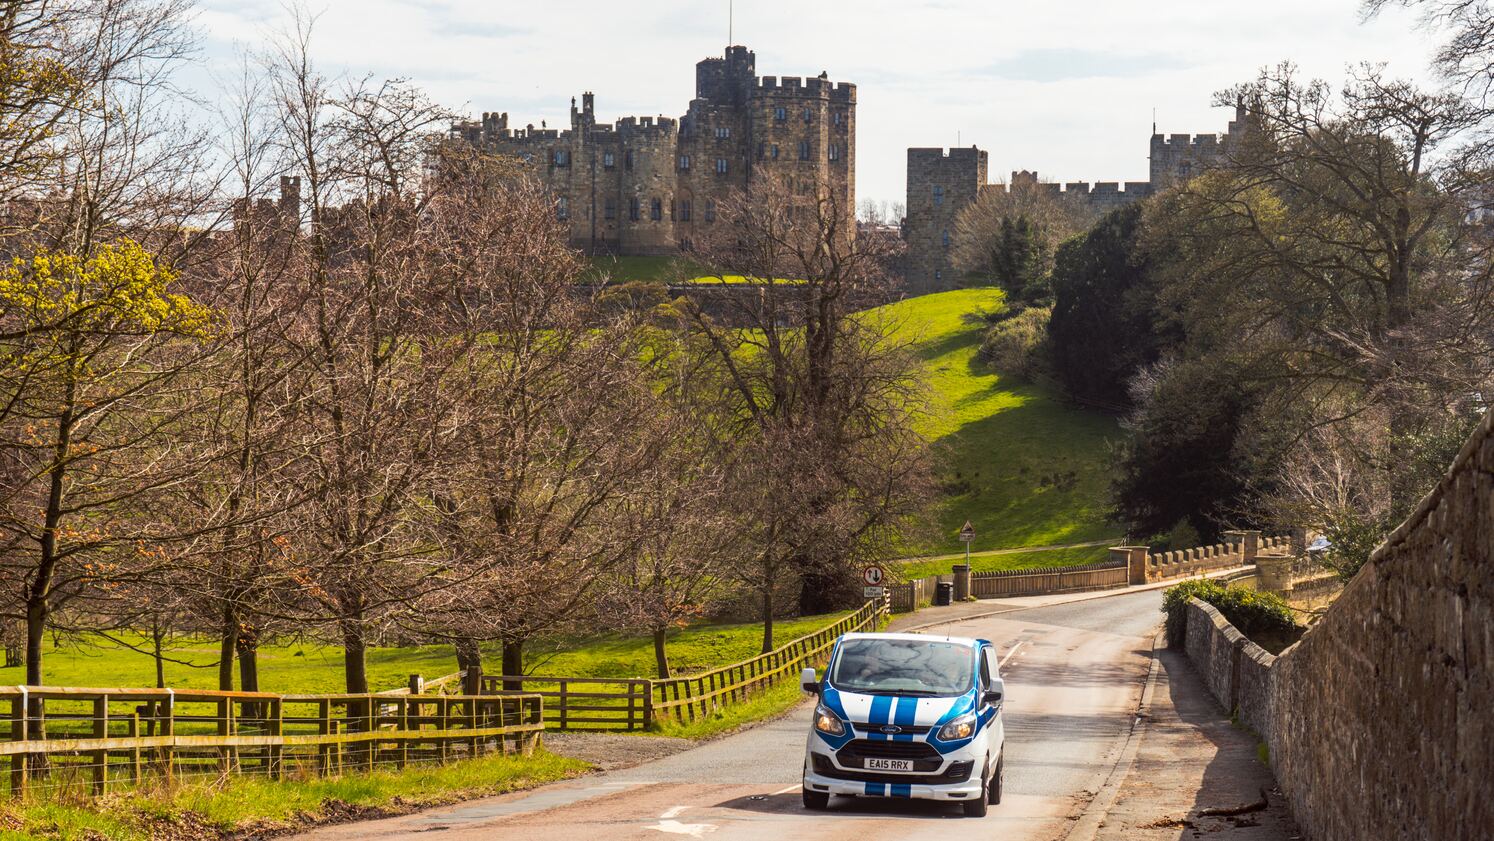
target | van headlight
[
  {"x": 962, "y": 727},
  {"x": 828, "y": 722}
]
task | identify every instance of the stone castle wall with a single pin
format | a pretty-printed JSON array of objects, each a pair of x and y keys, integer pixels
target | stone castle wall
[
  {"x": 934, "y": 171},
  {"x": 648, "y": 186},
  {"x": 1378, "y": 720}
]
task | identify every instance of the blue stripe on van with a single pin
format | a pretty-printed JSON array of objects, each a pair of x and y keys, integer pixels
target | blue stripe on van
[
  {"x": 876, "y": 789},
  {"x": 881, "y": 713},
  {"x": 902, "y": 790},
  {"x": 905, "y": 716}
]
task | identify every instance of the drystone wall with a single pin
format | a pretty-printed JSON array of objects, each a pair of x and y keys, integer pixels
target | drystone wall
[{"x": 1380, "y": 721}]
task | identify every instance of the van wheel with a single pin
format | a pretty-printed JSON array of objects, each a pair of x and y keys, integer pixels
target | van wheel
[
  {"x": 978, "y": 807},
  {"x": 998, "y": 780},
  {"x": 817, "y": 801}
]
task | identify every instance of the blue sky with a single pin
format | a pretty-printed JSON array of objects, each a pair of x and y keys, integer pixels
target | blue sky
[{"x": 1064, "y": 87}]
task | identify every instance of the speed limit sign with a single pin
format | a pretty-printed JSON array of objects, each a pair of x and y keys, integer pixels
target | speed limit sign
[{"x": 872, "y": 576}]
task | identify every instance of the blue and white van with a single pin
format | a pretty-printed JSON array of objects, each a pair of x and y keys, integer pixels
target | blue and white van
[{"x": 907, "y": 715}]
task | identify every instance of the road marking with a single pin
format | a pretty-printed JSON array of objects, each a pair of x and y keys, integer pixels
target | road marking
[
  {"x": 694, "y": 830},
  {"x": 1011, "y": 653},
  {"x": 672, "y": 813},
  {"x": 787, "y": 790}
]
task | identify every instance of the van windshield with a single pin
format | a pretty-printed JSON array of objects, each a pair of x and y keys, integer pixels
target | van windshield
[{"x": 903, "y": 667}]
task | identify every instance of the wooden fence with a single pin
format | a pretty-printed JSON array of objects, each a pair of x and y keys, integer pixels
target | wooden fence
[
  {"x": 911, "y": 595},
  {"x": 1028, "y": 582},
  {"x": 60, "y": 737},
  {"x": 576, "y": 703}
]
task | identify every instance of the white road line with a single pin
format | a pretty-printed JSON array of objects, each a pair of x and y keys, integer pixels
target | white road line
[
  {"x": 694, "y": 830},
  {"x": 795, "y": 787},
  {"x": 1011, "y": 653},
  {"x": 672, "y": 813}
]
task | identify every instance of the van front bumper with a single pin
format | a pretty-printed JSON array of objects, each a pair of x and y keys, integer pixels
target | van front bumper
[{"x": 825, "y": 775}]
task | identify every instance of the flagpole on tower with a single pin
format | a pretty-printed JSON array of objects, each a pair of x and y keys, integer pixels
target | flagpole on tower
[{"x": 731, "y": 22}]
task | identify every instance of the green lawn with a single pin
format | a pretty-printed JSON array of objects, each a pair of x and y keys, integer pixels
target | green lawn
[
  {"x": 310, "y": 667},
  {"x": 253, "y": 807},
  {"x": 1023, "y": 466},
  {"x": 624, "y": 269},
  {"x": 1007, "y": 561}
]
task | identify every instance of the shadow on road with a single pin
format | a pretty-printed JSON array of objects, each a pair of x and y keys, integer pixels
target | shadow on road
[{"x": 882, "y": 807}]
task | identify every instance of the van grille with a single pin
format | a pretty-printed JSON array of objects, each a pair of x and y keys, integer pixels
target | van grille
[{"x": 859, "y": 749}]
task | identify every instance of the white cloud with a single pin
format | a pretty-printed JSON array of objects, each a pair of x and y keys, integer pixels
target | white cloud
[{"x": 1065, "y": 87}]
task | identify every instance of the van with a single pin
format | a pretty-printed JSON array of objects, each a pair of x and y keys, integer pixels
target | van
[{"x": 907, "y": 716}]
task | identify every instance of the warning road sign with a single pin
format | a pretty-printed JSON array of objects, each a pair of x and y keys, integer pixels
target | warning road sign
[
  {"x": 872, "y": 576},
  {"x": 967, "y": 532}
]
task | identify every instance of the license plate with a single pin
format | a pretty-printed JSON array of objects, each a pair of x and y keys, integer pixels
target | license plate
[{"x": 889, "y": 765}]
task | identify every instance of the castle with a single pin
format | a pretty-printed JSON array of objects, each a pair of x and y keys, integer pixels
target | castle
[
  {"x": 647, "y": 186},
  {"x": 942, "y": 183}
]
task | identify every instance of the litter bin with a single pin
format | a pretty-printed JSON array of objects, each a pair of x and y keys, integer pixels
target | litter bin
[{"x": 944, "y": 593}]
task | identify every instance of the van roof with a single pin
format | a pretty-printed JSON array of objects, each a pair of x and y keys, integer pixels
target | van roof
[{"x": 970, "y": 641}]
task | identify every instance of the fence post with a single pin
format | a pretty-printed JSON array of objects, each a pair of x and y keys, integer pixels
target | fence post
[
  {"x": 132, "y": 725},
  {"x": 100, "y": 757},
  {"x": 565, "y": 703},
  {"x": 402, "y": 723},
  {"x": 274, "y": 754},
  {"x": 648, "y": 704},
  {"x": 417, "y": 685},
  {"x": 324, "y": 728},
  {"x": 18, "y": 761}
]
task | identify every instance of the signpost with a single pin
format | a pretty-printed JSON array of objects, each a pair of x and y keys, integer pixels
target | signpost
[
  {"x": 873, "y": 575},
  {"x": 967, "y": 534}
]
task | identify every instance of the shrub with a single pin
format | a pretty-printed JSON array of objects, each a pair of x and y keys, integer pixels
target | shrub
[
  {"x": 1253, "y": 612},
  {"x": 1018, "y": 344}
]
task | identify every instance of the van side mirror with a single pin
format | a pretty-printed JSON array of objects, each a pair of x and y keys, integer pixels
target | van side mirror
[
  {"x": 996, "y": 694},
  {"x": 808, "y": 682}
]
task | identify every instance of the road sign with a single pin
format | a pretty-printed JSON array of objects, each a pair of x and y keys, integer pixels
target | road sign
[
  {"x": 967, "y": 532},
  {"x": 872, "y": 576},
  {"x": 873, "y": 592}
]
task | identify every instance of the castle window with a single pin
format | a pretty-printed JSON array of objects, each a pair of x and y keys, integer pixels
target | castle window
[
  {"x": 775, "y": 151},
  {"x": 710, "y": 211},
  {"x": 656, "y": 210},
  {"x": 684, "y": 211},
  {"x": 780, "y": 114},
  {"x": 839, "y": 117},
  {"x": 562, "y": 208},
  {"x": 609, "y": 160},
  {"x": 938, "y": 276},
  {"x": 562, "y": 157},
  {"x": 722, "y": 167},
  {"x": 945, "y": 238},
  {"x": 834, "y": 152},
  {"x": 633, "y": 211},
  {"x": 808, "y": 115},
  {"x": 685, "y": 162},
  {"x": 723, "y": 132},
  {"x": 609, "y": 209},
  {"x": 804, "y": 150},
  {"x": 628, "y": 160},
  {"x": 938, "y": 195}
]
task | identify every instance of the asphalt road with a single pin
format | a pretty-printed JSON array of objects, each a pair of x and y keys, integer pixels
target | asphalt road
[{"x": 1073, "y": 673}]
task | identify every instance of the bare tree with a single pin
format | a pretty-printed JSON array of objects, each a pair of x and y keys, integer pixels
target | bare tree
[
  {"x": 1011, "y": 233},
  {"x": 810, "y": 401}
]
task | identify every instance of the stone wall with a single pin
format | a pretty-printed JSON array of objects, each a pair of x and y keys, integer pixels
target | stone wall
[{"x": 1380, "y": 721}]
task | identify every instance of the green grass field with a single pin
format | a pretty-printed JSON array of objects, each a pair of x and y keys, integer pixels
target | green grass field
[
  {"x": 311, "y": 667},
  {"x": 253, "y": 807},
  {"x": 1008, "y": 561},
  {"x": 1024, "y": 467}
]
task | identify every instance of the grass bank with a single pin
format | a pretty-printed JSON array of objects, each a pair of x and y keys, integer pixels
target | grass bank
[
  {"x": 1008, "y": 561},
  {"x": 1022, "y": 465},
  {"x": 246, "y": 806},
  {"x": 311, "y": 667}
]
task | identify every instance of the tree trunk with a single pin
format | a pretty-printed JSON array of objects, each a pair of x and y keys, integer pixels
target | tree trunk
[
  {"x": 469, "y": 660},
  {"x": 661, "y": 659},
  {"x": 767, "y": 619},
  {"x": 228, "y": 642},
  {"x": 354, "y": 658},
  {"x": 513, "y": 665},
  {"x": 248, "y": 650},
  {"x": 157, "y": 638}
]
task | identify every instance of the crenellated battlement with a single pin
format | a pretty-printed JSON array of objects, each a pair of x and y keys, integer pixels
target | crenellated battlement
[
  {"x": 812, "y": 88},
  {"x": 1196, "y": 141}
]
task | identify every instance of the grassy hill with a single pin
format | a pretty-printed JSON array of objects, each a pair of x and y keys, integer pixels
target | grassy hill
[{"x": 1020, "y": 464}]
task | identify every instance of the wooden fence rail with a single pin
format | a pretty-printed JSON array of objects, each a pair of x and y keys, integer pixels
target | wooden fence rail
[
  {"x": 102, "y": 737},
  {"x": 1025, "y": 582},
  {"x": 577, "y": 703}
]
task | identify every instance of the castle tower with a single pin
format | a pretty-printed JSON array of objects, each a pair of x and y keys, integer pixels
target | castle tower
[
  {"x": 940, "y": 185},
  {"x": 645, "y": 186}
]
